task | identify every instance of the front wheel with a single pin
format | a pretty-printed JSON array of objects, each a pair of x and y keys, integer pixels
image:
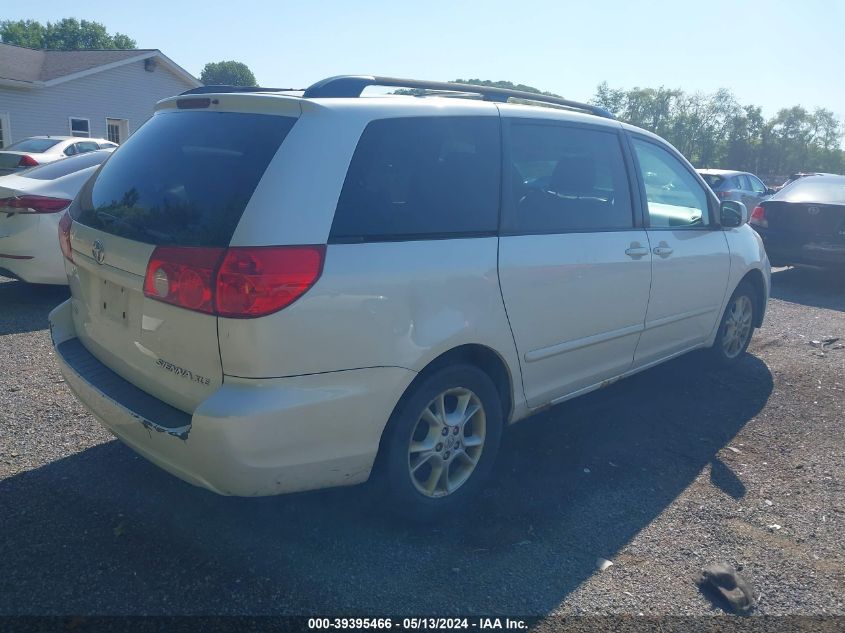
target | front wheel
[
  {"x": 442, "y": 441},
  {"x": 736, "y": 327}
]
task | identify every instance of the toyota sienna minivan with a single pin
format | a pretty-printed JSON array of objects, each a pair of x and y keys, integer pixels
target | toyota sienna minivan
[{"x": 276, "y": 291}]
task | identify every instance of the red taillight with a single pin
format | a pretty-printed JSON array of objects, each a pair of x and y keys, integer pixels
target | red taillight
[
  {"x": 183, "y": 276},
  {"x": 758, "y": 217},
  {"x": 35, "y": 204},
  {"x": 253, "y": 282},
  {"x": 27, "y": 161},
  {"x": 238, "y": 282},
  {"x": 64, "y": 235}
]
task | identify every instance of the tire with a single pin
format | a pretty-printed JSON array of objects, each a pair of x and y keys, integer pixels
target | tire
[
  {"x": 417, "y": 443},
  {"x": 736, "y": 326}
]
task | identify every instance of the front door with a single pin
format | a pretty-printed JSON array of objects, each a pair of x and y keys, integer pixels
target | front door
[
  {"x": 574, "y": 266},
  {"x": 690, "y": 257}
]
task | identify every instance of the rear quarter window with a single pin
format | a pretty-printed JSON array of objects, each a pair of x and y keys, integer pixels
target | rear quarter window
[
  {"x": 421, "y": 177},
  {"x": 184, "y": 178}
]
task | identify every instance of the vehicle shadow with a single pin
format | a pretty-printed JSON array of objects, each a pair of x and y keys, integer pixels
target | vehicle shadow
[
  {"x": 104, "y": 532},
  {"x": 24, "y": 307},
  {"x": 810, "y": 287}
]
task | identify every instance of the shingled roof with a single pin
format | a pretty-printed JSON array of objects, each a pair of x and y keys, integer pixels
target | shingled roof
[{"x": 30, "y": 66}]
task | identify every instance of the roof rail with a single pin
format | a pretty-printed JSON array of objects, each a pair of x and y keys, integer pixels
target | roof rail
[
  {"x": 354, "y": 85},
  {"x": 227, "y": 88}
]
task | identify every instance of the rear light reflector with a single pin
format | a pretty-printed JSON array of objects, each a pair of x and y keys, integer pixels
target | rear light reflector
[
  {"x": 27, "y": 161},
  {"x": 758, "y": 217},
  {"x": 64, "y": 235},
  {"x": 35, "y": 204},
  {"x": 238, "y": 282},
  {"x": 723, "y": 194}
]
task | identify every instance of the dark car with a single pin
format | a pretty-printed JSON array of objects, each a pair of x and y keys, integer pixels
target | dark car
[
  {"x": 739, "y": 186},
  {"x": 804, "y": 223}
]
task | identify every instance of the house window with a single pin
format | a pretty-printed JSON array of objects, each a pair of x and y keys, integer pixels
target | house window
[
  {"x": 80, "y": 127},
  {"x": 5, "y": 135},
  {"x": 117, "y": 130}
]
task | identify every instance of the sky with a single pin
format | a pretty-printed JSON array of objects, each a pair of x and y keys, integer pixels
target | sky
[{"x": 773, "y": 54}]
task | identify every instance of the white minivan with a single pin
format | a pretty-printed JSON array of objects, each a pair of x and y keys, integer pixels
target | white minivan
[{"x": 281, "y": 291}]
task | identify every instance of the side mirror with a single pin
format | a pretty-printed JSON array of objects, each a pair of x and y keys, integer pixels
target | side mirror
[
  {"x": 732, "y": 214},
  {"x": 770, "y": 191}
]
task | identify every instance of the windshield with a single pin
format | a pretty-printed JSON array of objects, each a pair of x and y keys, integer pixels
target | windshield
[
  {"x": 34, "y": 145},
  {"x": 184, "y": 178}
]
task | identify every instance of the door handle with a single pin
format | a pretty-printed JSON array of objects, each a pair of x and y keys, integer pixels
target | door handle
[
  {"x": 663, "y": 251},
  {"x": 636, "y": 251}
]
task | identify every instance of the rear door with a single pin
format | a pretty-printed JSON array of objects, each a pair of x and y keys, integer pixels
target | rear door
[
  {"x": 574, "y": 262},
  {"x": 182, "y": 181},
  {"x": 690, "y": 263}
]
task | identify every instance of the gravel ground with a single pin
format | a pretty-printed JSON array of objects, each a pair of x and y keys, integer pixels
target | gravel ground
[{"x": 661, "y": 474}]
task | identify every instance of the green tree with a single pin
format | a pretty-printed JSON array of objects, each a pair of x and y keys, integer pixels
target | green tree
[
  {"x": 66, "y": 34},
  {"x": 230, "y": 73},
  {"x": 714, "y": 130}
]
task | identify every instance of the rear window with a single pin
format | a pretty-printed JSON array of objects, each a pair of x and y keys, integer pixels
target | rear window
[
  {"x": 66, "y": 166},
  {"x": 184, "y": 178},
  {"x": 821, "y": 189},
  {"x": 421, "y": 177},
  {"x": 714, "y": 180},
  {"x": 34, "y": 145}
]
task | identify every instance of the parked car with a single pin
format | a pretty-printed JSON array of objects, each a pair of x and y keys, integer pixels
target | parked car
[
  {"x": 37, "y": 150},
  {"x": 804, "y": 223},
  {"x": 280, "y": 293},
  {"x": 736, "y": 185},
  {"x": 30, "y": 209}
]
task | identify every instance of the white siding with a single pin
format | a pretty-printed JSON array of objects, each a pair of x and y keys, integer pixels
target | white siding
[{"x": 127, "y": 92}]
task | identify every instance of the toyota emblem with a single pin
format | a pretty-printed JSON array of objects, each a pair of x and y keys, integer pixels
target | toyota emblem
[
  {"x": 98, "y": 251},
  {"x": 813, "y": 210}
]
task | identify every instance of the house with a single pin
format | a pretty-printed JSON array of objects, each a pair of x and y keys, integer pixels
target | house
[{"x": 96, "y": 93}]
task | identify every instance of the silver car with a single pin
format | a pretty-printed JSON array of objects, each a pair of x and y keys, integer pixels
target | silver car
[{"x": 739, "y": 186}]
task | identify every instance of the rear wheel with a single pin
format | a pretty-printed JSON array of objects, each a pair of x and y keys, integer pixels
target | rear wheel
[
  {"x": 442, "y": 441},
  {"x": 737, "y": 325}
]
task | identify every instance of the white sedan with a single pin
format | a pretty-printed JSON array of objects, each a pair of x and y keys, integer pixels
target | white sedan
[
  {"x": 30, "y": 208},
  {"x": 38, "y": 150}
]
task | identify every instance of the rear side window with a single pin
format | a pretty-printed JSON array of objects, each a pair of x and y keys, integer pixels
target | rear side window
[
  {"x": 66, "y": 166},
  {"x": 184, "y": 178},
  {"x": 566, "y": 179},
  {"x": 421, "y": 177}
]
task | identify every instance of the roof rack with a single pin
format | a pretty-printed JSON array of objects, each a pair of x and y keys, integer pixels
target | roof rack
[
  {"x": 227, "y": 88},
  {"x": 354, "y": 85}
]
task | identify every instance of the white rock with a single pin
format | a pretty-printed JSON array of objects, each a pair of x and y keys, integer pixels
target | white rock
[{"x": 602, "y": 564}]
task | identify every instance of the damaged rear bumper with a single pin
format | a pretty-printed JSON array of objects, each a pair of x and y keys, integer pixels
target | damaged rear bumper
[{"x": 251, "y": 437}]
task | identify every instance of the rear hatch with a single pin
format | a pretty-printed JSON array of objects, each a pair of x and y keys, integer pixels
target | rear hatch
[{"x": 181, "y": 182}]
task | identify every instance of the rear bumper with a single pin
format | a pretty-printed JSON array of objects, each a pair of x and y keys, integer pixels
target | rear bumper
[
  {"x": 787, "y": 248},
  {"x": 251, "y": 437}
]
